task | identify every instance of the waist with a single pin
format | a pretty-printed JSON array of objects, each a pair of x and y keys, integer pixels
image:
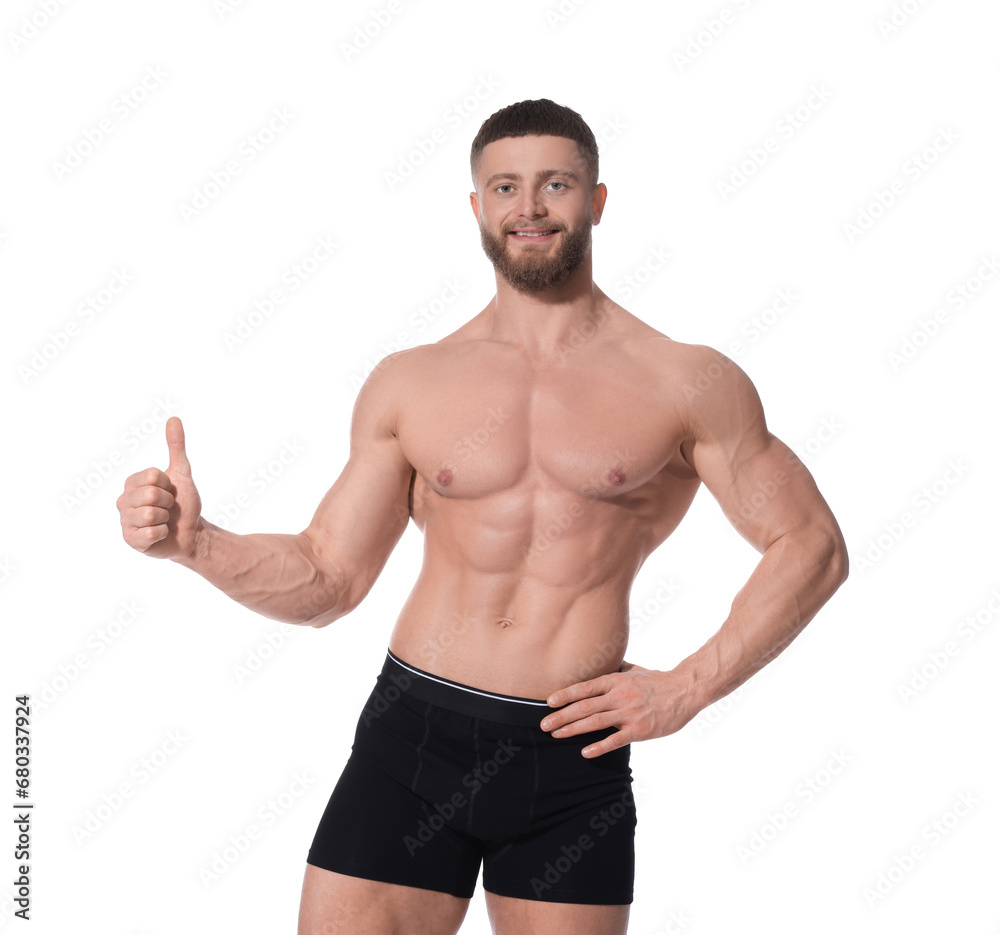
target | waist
[
  {"x": 465, "y": 699},
  {"x": 523, "y": 649}
]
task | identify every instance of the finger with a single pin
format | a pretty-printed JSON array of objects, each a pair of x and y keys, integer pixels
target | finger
[
  {"x": 144, "y": 516},
  {"x": 580, "y": 690},
  {"x": 146, "y": 496},
  {"x": 150, "y": 477},
  {"x": 587, "y": 724},
  {"x": 135, "y": 504},
  {"x": 141, "y": 538},
  {"x": 579, "y": 710},
  {"x": 616, "y": 740},
  {"x": 175, "y": 445}
]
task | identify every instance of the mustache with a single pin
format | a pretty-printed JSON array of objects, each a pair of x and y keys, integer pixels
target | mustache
[{"x": 532, "y": 227}]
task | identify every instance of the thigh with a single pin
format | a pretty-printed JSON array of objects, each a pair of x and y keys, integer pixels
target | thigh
[
  {"x": 387, "y": 819},
  {"x": 579, "y": 845},
  {"x": 336, "y": 904},
  {"x": 512, "y": 916}
]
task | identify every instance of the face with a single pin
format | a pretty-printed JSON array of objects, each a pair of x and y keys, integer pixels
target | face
[{"x": 535, "y": 207}]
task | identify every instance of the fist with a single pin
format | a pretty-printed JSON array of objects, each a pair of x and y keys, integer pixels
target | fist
[{"x": 160, "y": 511}]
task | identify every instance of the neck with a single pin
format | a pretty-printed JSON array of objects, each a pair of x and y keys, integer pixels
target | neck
[{"x": 543, "y": 322}]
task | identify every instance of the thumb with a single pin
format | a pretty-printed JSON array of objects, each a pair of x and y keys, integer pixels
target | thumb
[{"x": 175, "y": 444}]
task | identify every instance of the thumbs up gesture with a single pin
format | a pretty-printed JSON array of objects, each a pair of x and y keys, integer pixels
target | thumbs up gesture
[{"x": 160, "y": 512}]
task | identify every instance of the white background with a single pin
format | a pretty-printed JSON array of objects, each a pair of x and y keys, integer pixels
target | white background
[{"x": 129, "y": 651}]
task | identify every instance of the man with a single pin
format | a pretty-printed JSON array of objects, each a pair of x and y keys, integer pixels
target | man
[{"x": 545, "y": 448}]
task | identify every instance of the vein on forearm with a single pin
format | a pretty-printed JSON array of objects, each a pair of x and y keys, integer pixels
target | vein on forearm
[
  {"x": 796, "y": 575},
  {"x": 274, "y": 574}
]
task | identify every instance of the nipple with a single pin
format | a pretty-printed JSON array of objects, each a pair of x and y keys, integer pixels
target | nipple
[
  {"x": 616, "y": 476},
  {"x": 444, "y": 477}
]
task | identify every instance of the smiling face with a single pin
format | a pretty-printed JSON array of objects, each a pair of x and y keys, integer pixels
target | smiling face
[{"x": 536, "y": 204}]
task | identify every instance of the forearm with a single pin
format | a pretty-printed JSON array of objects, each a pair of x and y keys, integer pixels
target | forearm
[
  {"x": 274, "y": 574},
  {"x": 795, "y": 577}
]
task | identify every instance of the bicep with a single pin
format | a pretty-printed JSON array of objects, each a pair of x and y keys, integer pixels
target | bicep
[
  {"x": 760, "y": 484},
  {"x": 364, "y": 514}
]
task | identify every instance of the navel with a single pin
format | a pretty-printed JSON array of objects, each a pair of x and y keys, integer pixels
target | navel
[{"x": 504, "y": 624}]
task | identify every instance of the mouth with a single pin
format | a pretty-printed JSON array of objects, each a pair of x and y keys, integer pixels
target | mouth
[{"x": 534, "y": 233}]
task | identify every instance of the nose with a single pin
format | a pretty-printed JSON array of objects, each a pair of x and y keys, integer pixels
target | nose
[{"x": 529, "y": 204}]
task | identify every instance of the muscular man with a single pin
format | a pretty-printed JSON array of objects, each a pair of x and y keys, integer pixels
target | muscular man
[{"x": 545, "y": 448}]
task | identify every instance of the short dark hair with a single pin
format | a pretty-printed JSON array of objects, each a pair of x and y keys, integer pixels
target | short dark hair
[{"x": 537, "y": 118}]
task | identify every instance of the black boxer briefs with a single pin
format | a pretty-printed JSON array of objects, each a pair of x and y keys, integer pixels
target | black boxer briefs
[{"x": 444, "y": 777}]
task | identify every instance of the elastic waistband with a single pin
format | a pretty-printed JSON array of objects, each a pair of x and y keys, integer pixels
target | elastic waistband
[{"x": 465, "y": 699}]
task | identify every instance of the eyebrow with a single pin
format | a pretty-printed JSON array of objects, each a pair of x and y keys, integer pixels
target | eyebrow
[{"x": 539, "y": 175}]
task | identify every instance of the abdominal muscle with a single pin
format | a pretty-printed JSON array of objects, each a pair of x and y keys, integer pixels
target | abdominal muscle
[
  {"x": 452, "y": 627},
  {"x": 500, "y": 609}
]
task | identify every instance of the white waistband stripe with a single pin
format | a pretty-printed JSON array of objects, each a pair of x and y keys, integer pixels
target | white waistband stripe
[{"x": 465, "y": 688}]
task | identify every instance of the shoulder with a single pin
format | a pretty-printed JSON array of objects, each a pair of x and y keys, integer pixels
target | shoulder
[
  {"x": 396, "y": 370},
  {"x": 691, "y": 373},
  {"x": 376, "y": 407},
  {"x": 711, "y": 397},
  {"x": 695, "y": 370},
  {"x": 703, "y": 375},
  {"x": 675, "y": 361},
  {"x": 392, "y": 382}
]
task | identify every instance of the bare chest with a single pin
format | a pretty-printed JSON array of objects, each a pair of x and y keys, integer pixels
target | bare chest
[{"x": 472, "y": 434}]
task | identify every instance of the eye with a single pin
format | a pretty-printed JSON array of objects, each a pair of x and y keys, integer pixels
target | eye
[
  {"x": 558, "y": 183},
  {"x": 505, "y": 185}
]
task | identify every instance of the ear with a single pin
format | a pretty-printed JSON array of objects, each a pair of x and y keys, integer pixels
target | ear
[
  {"x": 474, "y": 200},
  {"x": 597, "y": 200}
]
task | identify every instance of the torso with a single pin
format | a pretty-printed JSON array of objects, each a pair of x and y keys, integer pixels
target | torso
[{"x": 541, "y": 487}]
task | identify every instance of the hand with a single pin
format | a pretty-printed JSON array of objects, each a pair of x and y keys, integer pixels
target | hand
[
  {"x": 160, "y": 512},
  {"x": 641, "y": 703}
]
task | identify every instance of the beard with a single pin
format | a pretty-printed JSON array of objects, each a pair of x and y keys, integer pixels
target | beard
[{"x": 534, "y": 270}]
